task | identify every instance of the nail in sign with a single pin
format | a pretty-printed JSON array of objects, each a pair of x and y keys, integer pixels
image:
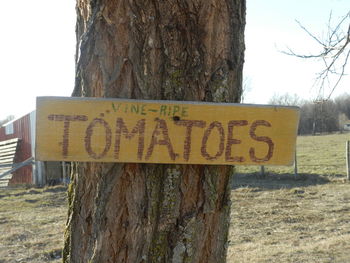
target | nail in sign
[{"x": 116, "y": 130}]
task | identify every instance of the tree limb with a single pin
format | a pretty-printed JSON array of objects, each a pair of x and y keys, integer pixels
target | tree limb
[{"x": 334, "y": 53}]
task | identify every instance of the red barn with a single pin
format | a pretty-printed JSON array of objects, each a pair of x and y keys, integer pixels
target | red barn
[{"x": 17, "y": 145}]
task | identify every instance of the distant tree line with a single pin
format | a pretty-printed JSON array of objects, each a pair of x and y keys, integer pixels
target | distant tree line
[{"x": 318, "y": 116}]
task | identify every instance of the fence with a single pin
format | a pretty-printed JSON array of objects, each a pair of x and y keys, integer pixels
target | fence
[
  {"x": 348, "y": 159},
  {"x": 321, "y": 155}
]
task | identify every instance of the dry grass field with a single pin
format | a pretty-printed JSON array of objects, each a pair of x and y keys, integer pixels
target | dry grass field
[
  {"x": 274, "y": 218},
  {"x": 281, "y": 217},
  {"x": 32, "y": 224}
]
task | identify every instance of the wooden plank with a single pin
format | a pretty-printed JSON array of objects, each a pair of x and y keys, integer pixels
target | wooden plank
[
  {"x": 4, "y": 170},
  {"x": 113, "y": 130},
  {"x": 9, "y": 146},
  {"x": 5, "y": 179},
  {"x": 7, "y": 153},
  {"x": 7, "y": 157},
  {"x": 8, "y": 149},
  {"x": 6, "y": 161},
  {"x": 17, "y": 166},
  {"x": 15, "y": 140}
]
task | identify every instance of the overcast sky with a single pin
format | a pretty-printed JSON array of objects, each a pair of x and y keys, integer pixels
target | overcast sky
[{"x": 38, "y": 43}]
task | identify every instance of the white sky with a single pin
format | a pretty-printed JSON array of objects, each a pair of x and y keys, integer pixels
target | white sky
[
  {"x": 271, "y": 27},
  {"x": 38, "y": 43}
]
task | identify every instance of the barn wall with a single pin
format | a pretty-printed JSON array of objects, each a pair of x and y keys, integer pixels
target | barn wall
[
  {"x": 21, "y": 130},
  {"x": 40, "y": 173}
]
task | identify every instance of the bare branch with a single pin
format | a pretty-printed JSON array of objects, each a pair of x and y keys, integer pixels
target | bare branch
[
  {"x": 341, "y": 74},
  {"x": 334, "y": 53},
  {"x": 310, "y": 34}
]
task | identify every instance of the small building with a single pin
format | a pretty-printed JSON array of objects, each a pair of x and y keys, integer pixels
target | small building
[
  {"x": 346, "y": 127},
  {"x": 344, "y": 122},
  {"x": 17, "y": 148}
]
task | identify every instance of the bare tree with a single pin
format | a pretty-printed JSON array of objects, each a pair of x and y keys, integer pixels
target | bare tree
[
  {"x": 343, "y": 104},
  {"x": 333, "y": 53},
  {"x": 307, "y": 119},
  {"x": 286, "y": 99},
  {"x": 315, "y": 116},
  {"x": 246, "y": 88}
]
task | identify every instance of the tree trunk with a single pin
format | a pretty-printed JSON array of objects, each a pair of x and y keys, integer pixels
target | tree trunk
[{"x": 169, "y": 50}]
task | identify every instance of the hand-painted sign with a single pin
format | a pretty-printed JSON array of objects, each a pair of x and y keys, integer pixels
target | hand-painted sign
[{"x": 116, "y": 130}]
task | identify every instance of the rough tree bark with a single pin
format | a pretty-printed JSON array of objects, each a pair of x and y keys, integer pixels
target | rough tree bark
[{"x": 166, "y": 50}]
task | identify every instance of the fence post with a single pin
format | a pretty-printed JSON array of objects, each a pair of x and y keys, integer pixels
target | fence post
[
  {"x": 295, "y": 164},
  {"x": 64, "y": 173},
  {"x": 348, "y": 159},
  {"x": 262, "y": 171}
]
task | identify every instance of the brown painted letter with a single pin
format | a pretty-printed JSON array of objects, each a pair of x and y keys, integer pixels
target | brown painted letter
[
  {"x": 66, "y": 125},
  {"x": 206, "y": 135},
  {"x": 161, "y": 128},
  {"x": 231, "y": 141},
  {"x": 189, "y": 124},
  {"x": 264, "y": 139},
  {"x": 88, "y": 135},
  {"x": 121, "y": 128}
]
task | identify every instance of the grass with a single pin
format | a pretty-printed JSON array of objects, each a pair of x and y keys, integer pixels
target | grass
[
  {"x": 275, "y": 218},
  {"x": 319, "y": 155},
  {"x": 32, "y": 224},
  {"x": 280, "y": 217},
  {"x": 286, "y": 220}
]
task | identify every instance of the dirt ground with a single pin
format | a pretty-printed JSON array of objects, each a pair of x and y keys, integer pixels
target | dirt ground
[
  {"x": 282, "y": 218},
  {"x": 32, "y": 224},
  {"x": 278, "y": 218}
]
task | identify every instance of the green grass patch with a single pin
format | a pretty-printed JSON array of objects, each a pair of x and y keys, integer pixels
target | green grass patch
[{"x": 319, "y": 155}]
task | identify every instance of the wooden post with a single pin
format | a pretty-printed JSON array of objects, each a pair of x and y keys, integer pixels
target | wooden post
[
  {"x": 348, "y": 159},
  {"x": 64, "y": 173},
  {"x": 262, "y": 171},
  {"x": 295, "y": 164}
]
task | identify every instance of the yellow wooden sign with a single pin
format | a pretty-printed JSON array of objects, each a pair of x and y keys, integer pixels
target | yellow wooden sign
[{"x": 116, "y": 130}]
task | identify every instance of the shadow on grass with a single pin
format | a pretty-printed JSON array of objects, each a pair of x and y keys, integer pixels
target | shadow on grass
[
  {"x": 277, "y": 181},
  {"x": 33, "y": 191},
  {"x": 56, "y": 189}
]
